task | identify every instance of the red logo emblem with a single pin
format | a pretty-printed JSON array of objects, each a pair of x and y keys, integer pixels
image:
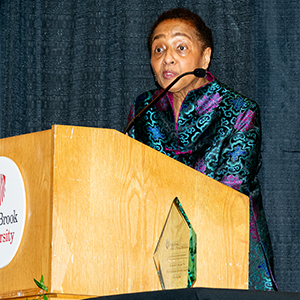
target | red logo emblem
[{"x": 2, "y": 188}]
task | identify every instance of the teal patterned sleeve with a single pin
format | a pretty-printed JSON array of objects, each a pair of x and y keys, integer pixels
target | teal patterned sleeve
[{"x": 240, "y": 159}]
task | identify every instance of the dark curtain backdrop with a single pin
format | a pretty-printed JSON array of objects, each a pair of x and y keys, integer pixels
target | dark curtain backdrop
[{"x": 82, "y": 62}]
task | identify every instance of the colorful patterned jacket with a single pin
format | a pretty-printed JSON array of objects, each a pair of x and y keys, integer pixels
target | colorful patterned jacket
[{"x": 217, "y": 133}]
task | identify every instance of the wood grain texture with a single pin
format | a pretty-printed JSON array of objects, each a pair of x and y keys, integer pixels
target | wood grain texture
[
  {"x": 107, "y": 197},
  {"x": 33, "y": 155}
]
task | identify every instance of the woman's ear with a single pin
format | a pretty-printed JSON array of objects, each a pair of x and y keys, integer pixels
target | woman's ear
[{"x": 206, "y": 57}]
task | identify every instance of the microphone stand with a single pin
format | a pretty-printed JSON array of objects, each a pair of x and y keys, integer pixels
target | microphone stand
[{"x": 197, "y": 72}]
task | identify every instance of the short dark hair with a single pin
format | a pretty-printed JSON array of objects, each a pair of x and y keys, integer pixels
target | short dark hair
[{"x": 203, "y": 32}]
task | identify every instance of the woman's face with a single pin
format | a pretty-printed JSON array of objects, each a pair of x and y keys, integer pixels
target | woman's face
[{"x": 176, "y": 49}]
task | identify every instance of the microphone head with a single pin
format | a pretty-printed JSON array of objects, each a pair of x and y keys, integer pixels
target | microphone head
[{"x": 199, "y": 72}]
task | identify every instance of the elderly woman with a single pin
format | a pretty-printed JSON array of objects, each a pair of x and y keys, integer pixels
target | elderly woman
[{"x": 204, "y": 124}]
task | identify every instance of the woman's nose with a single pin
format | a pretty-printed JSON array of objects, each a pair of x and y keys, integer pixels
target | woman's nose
[{"x": 169, "y": 57}]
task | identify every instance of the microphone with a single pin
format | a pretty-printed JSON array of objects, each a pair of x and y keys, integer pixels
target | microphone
[{"x": 197, "y": 72}]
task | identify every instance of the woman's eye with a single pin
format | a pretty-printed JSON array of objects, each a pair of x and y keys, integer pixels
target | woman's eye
[
  {"x": 181, "y": 48},
  {"x": 158, "y": 50}
]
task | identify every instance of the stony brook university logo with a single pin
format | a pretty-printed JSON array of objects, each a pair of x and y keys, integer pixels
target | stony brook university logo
[
  {"x": 2, "y": 188},
  {"x": 12, "y": 210}
]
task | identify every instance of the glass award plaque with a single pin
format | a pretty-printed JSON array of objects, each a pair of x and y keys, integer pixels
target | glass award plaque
[{"x": 175, "y": 253}]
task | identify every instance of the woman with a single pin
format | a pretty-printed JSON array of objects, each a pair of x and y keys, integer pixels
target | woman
[{"x": 205, "y": 125}]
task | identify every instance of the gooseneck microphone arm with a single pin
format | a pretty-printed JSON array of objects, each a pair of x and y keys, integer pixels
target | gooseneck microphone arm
[{"x": 197, "y": 72}]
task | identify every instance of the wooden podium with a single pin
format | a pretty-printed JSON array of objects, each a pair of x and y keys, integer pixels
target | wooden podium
[{"x": 97, "y": 201}]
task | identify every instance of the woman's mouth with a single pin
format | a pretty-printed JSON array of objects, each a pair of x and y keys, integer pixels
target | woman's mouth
[{"x": 169, "y": 74}]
